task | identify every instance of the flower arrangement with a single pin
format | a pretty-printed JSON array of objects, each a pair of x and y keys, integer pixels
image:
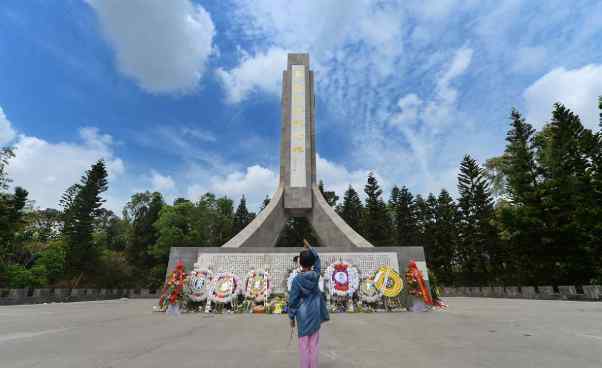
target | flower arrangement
[
  {"x": 197, "y": 284},
  {"x": 258, "y": 285},
  {"x": 368, "y": 292},
  {"x": 343, "y": 278},
  {"x": 224, "y": 287},
  {"x": 388, "y": 281},
  {"x": 172, "y": 293},
  {"x": 416, "y": 283}
]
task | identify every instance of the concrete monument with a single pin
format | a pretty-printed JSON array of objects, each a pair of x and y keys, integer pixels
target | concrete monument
[{"x": 297, "y": 195}]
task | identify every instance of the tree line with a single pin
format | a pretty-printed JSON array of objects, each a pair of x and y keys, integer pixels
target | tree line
[{"x": 531, "y": 216}]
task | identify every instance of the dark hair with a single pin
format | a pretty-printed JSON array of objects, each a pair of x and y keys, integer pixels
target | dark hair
[
  {"x": 295, "y": 259},
  {"x": 306, "y": 259}
]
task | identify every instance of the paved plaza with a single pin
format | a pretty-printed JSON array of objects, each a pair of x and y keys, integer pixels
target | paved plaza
[{"x": 472, "y": 333}]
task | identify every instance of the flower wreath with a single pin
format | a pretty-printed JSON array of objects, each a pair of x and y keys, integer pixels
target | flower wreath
[
  {"x": 291, "y": 277},
  {"x": 197, "y": 284},
  {"x": 258, "y": 285},
  {"x": 343, "y": 278},
  {"x": 224, "y": 287},
  {"x": 388, "y": 281},
  {"x": 173, "y": 290},
  {"x": 368, "y": 291}
]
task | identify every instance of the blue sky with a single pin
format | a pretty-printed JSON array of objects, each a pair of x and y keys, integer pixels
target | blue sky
[{"x": 184, "y": 96}]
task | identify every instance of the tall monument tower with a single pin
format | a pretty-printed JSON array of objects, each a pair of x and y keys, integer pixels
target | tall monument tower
[{"x": 297, "y": 194}]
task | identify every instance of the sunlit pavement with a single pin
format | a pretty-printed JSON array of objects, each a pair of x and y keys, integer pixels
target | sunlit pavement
[{"x": 474, "y": 332}]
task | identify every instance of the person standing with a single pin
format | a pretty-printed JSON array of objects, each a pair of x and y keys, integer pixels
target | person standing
[{"x": 307, "y": 307}]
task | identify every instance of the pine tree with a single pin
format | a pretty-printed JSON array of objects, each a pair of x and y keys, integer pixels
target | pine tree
[
  {"x": 297, "y": 229},
  {"x": 520, "y": 161},
  {"x": 403, "y": 210},
  {"x": 427, "y": 225},
  {"x": 142, "y": 211},
  {"x": 567, "y": 197},
  {"x": 351, "y": 209},
  {"x": 478, "y": 237},
  {"x": 223, "y": 221},
  {"x": 377, "y": 223},
  {"x": 330, "y": 196},
  {"x": 12, "y": 207},
  {"x": 445, "y": 238},
  {"x": 242, "y": 217},
  {"x": 520, "y": 220},
  {"x": 79, "y": 219},
  {"x": 265, "y": 203}
]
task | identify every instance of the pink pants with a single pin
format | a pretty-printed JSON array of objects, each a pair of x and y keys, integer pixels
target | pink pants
[{"x": 309, "y": 348}]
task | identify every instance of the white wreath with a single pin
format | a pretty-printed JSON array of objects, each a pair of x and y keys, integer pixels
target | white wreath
[
  {"x": 351, "y": 278},
  {"x": 197, "y": 284},
  {"x": 258, "y": 285},
  {"x": 224, "y": 287},
  {"x": 291, "y": 277},
  {"x": 368, "y": 292}
]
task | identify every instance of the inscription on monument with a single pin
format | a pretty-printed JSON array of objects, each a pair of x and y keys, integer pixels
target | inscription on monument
[
  {"x": 280, "y": 264},
  {"x": 298, "y": 172}
]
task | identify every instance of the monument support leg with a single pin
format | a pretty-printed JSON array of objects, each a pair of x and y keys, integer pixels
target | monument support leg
[
  {"x": 330, "y": 228},
  {"x": 265, "y": 229}
]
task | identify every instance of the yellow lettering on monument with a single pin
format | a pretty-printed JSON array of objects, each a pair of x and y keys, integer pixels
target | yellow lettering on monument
[{"x": 298, "y": 149}]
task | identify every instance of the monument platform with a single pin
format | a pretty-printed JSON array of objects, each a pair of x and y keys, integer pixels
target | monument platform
[{"x": 279, "y": 260}]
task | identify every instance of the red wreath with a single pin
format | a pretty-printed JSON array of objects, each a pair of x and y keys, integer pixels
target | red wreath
[
  {"x": 173, "y": 290},
  {"x": 337, "y": 285}
]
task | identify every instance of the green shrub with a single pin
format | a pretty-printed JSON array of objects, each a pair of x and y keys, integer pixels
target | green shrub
[
  {"x": 114, "y": 270},
  {"x": 53, "y": 260},
  {"x": 19, "y": 276}
]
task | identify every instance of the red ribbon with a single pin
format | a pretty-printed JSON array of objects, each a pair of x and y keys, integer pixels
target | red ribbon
[{"x": 417, "y": 275}]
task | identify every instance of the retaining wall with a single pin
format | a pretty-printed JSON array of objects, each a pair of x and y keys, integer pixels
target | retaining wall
[
  {"x": 562, "y": 292},
  {"x": 37, "y": 296}
]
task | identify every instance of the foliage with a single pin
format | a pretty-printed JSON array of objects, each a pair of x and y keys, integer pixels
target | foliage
[
  {"x": 12, "y": 207},
  {"x": 403, "y": 209},
  {"x": 477, "y": 235},
  {"x": 81, "y": 204},
  {"x": 352, "y": 209},
  {"x": 21, "y": 277},
  {"x": 53, "y": 261},
  {"x": 141, "y": 213},
  {"x": 376, "y": 220},
  {"x": 330, "y": 196},
  {"x": 242, "y": 216},
  {"x": 115, "y": 271}
]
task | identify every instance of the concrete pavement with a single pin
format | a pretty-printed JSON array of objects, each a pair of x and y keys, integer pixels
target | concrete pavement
[{"x": 474, "y": 332}]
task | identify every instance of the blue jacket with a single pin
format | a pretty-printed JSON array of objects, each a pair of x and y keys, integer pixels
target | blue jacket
[{"x": 306, "y": 302}]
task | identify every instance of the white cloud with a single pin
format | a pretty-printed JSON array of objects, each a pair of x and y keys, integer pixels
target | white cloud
[
  {"x": 199, "y": 134},
  {"x": 7, "y": 133},
  {"x": 46, "y": 169},
  {"x": 409, "y": 106},
  {"x": 161, "y": 182},
  {"x": 163, "y": 45},
  {"x": 262, "y": 71},
  {"x": 578, "y": 89},
  {"x": 255, "y": 183},
  {"x": 338, "y": 178}
]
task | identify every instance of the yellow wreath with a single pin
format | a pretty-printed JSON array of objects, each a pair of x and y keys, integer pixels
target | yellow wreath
[{"x": 393, "y": 285}]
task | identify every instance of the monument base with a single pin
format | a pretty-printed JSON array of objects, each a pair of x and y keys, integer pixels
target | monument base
[{"x": 279, "y": 261}]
